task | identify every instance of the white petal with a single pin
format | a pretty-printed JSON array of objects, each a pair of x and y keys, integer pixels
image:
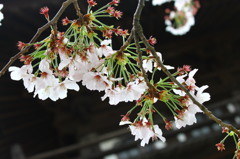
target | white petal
[
  {"x": 125, "y": 122},
  {"x": 192, "y": 73},
  {"x": 72, "y": 85},
  {"x": 44, "y": 66},
  {"x": 106, "y": 42},
  {"x": 15, "y": 73},
  {"x": 158, "y": 132}
]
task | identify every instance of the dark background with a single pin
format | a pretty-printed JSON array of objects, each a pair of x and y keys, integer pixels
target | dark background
[{"x": 29, "y": 126}]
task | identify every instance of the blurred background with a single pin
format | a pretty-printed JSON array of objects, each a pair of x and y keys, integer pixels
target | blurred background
[{"x": 84, "y": 127}]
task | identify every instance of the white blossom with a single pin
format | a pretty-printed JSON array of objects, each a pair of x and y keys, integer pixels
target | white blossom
[
  {"x": 182, "y": 4},
  {"x": 1, "y": 14},
  {"x": 131, "y": 92},
  {"x": 45, "y": 88},
  {"x": 62, "y": 88},
  {"x": 159, "y": 2},
  {"x": 20, "y": 73},
  {"x": 115, "y": 95},
  {"x": 125, "y": 122},
  {"x": 24, "y": 73},
  {"x": 145, "y": 132},
  {"x": 65, "y": 59},
  {"x": 105, "y": 49},
  {"x": 187, "y": 118},
  {"x": 149, "y": 63},
  {"x": 95, "y": 81},
  {"x": 77, "y": 68},
  {"x": 134, "y": 90},
  {"x": 44, "y": 85},
  {"x": 202, "y": 97},
  {"x": 106, "y": 42},
  {"x": 183, "y": 29},
  {"x": 94, "y": 62},
  {"x": 189, "y": 82}
]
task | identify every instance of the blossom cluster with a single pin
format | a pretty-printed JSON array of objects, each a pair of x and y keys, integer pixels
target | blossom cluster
[
  {"x": 186, "y": 116},
  {"x": 84, "y": 54},
  {"x": 180, "y": 20},
  {"x": 180, "y": 105},
  {"x": 75, "y": 56},
  {"x": 1, "y": 15}
]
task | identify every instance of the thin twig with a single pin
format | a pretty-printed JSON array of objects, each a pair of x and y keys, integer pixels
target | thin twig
[{"x": 139, "y": 30}]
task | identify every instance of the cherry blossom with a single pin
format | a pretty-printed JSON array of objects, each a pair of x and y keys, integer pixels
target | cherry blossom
[
  {"x": 159, "y": 2},
  {"x": 189, "y": 83},
  {"x": 149, "y": 63},
  {"x": 20, "y": 73},
  {"x": 94, "y": 62},
  {"x": 65, "y": 59},
  {"x": 46, "y": 88},
  {"x": 1, "y": 15},
  {"x": 105, "y": 49},
  {"x": 77, "y": 68},
  {"x": 63, "y": 87},
  {"x": 134, "y": 90},
  {"x": 115, "y": 95},
  {"x": 24, "y": 73},
  {"x": 145, "y": 132},
  {"x": 125, "y": 120},
  {"x": 187, "y": 118},
  {"x": 131, "y": 92},
  {"x": 95, "y": 81},
  {"x": 202, "y": 97},
  {"x": 189, "y": 21},
  {"x": 182, "y": 4}
]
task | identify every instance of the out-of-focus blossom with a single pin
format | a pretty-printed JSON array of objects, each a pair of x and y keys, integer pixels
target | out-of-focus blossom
[{"x": 1, "y": 15}]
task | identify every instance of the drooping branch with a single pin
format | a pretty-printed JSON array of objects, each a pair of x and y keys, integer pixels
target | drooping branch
[
  {"x": 138, "y": 28},
  {"x": 40, "y": 30}
]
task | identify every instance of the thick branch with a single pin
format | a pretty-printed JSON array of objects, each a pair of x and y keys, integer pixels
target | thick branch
[
  {"x": 139, "y": 30},
  {"x": 36, "y": 36}
]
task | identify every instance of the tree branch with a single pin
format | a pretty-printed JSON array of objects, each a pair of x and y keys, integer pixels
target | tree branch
[{"x": 139, "y": 31}]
